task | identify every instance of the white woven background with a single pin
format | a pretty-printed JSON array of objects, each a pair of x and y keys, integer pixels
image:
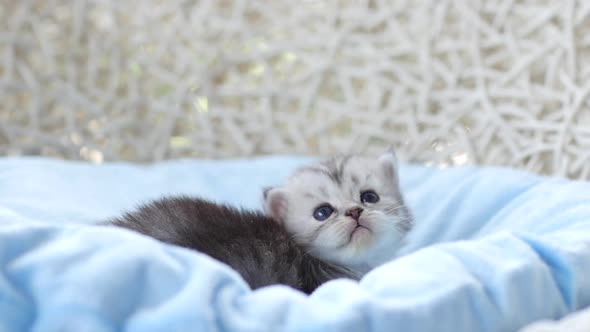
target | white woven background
[{"x": 501, "y": 82}]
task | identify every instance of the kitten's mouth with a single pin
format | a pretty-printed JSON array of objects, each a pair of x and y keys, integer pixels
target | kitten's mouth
[{"x": 359, "y": 230}]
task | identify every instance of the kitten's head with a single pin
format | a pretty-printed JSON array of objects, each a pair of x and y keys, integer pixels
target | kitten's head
[{"x": 346, "y": 209}]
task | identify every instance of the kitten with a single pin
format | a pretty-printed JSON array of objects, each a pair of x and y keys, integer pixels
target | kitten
[
  {"x": 254, "y": 245},
  {"x": 347, "y": 210}
]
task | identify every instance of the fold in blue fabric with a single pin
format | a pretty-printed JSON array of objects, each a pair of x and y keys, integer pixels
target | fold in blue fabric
[{"x": 493, "y": 250}]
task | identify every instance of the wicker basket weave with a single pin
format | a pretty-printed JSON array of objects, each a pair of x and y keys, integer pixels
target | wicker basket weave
[{"x": 446, "y": 82}]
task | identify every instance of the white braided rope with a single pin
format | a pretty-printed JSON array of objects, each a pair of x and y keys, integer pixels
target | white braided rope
[{"x": 446, "y": 81}]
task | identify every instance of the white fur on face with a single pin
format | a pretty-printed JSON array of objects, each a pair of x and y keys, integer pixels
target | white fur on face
[{"x": 339, "y": 183}]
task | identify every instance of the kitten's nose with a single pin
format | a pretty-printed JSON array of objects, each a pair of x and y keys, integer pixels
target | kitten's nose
[{"x": 355, "y": 213}]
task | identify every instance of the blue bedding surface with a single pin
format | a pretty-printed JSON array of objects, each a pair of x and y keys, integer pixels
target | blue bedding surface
[{"x": 493, "y": 249}]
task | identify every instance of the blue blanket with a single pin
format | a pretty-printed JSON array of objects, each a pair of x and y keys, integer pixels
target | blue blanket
[{"x": 493, "y": 249}]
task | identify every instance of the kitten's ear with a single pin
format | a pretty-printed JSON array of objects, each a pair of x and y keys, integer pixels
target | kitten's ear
[
  {"x": 265, "y": 192},
  {"x": 389, "y": 164},
  {"x": 275, "y": 203}
]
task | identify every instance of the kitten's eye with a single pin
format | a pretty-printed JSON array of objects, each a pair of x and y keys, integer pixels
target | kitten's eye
[
  {"x": 369, "y": 196},
  {"x": 323, "y": 212}
]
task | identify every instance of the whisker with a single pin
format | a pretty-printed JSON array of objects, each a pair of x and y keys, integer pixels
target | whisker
[
  {"x": 401, "y": 224},
  {"x": 390, "y": 210}
]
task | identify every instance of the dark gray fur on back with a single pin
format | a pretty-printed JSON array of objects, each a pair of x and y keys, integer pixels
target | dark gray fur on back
[{"x": 254, "y": 245}]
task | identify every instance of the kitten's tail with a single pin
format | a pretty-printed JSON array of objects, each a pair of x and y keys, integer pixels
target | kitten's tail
[{"x": 316, "y": 272}]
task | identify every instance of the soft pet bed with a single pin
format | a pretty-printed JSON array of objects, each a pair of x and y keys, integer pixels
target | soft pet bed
[{"x": 492, "y": 250}]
